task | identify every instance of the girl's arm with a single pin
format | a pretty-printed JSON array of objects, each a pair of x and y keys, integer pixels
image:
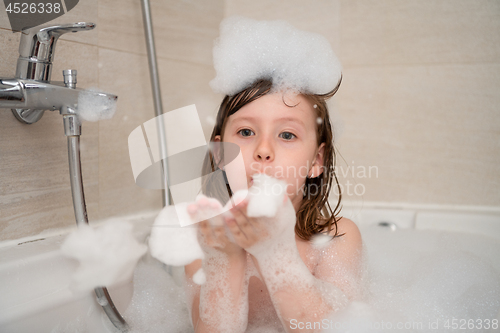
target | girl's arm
[
  {"x": 221, "y": 303},
  {"x": 301, "y": 297},
  {"x": 298, "y": 296}
]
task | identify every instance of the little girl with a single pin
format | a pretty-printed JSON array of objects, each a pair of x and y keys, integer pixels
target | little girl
[{"x": 289, "y": 280}]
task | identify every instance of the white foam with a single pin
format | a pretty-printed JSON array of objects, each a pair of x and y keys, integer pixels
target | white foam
[
  {"x": 173, "y": 238},
  {"x": 422, "y": 279},
  {"x": 247, "y": 50},
  {"x": 107, "y": 255},
  {"x": 266, "y": 196},
  {"x": 94, "y": 105},
  {"x": 172, "y": 244},
  {"x": 158, "y": 304},
  {"x": 199, "y": 277},
  {"x": 320, "y": 241}
]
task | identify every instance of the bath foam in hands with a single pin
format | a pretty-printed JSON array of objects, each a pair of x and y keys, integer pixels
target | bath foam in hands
[{"x": 178, "y": 246}]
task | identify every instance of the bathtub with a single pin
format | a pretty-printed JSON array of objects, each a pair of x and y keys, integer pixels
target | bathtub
[{"x": 36, "y": 277}]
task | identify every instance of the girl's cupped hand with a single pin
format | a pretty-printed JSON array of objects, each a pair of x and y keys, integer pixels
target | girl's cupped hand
[{"x": 212, "y": 233}]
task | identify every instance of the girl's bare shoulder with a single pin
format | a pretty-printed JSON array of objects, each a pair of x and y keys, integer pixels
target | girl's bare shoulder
[
  {"x": 348, "y": 242},
  {"x": 349, "y": 229}
]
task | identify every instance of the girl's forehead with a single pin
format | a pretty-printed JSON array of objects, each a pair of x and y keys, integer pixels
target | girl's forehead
[{"x": 276, "y": 106}]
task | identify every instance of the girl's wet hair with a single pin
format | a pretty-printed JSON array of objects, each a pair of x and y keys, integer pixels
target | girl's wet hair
[{"x": 314, "y": 215}]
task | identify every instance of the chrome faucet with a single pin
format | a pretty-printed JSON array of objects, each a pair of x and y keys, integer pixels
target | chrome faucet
[{"x": 30, "y": 93}]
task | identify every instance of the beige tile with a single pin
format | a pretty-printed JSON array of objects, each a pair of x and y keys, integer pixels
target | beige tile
[
  {"x": 4, "y": 19},
  {"x": 120, "y": 26},
  {"x": 186, "y": 30},
  {"x": 184, "y": 84},
  {"x": 9, "y": 52},
  {"x": 433, "y": 132},
  {"x": 419, "y": 32},
  {"x": 319, "y": 16},
  {"x": 183, "y": 30},
  {"x": 119, "y": 195}
]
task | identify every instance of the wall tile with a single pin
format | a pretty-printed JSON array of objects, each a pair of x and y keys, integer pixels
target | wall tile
[
  {"x": 432, "y": 131},
  {"x": 4, "y": 19},
  {"x": 184, "y": 30},
  {"x": 419, "y": 32},
  {"x": 183, "y": 84},
  {"x": 9, "y": 52},
  {"x": 118, "y": 193}
]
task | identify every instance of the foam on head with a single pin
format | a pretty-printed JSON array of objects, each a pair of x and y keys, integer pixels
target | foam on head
[{"x": 248, "y": 50}]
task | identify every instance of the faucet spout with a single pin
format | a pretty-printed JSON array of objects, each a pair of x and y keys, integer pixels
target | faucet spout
[{"x": 29, "y": 98}]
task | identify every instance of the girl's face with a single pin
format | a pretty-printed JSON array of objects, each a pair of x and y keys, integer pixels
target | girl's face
[{"x": 278, "y": 140}]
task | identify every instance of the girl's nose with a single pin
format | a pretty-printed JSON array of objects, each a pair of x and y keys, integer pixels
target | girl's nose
[{"x": 264, "y": 153}]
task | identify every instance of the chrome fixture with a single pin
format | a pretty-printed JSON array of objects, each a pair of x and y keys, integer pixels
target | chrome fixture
[
  {"x": 390, "y": 225},
  {"x": 31, "y": 93},
  {"x": 155, "y": 86}
]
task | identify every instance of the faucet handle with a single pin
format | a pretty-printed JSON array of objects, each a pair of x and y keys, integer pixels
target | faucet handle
[
  {"x": 48, "y": 33},
  {"x": 37, "y": 48}
]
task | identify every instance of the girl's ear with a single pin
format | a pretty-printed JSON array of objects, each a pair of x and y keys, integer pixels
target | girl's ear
[
  {"x": 216, "y": 151},
  {"x": 317, "y": 167}
]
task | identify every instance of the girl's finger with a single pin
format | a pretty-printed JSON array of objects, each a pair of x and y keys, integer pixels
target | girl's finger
[
  {"x": 206, "y": 232},
  {"x": 235, "y": 229},
  {"x": 219, "y": 232}
]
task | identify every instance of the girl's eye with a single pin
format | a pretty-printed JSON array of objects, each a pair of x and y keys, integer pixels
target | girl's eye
[
  {"x": 287, "y": 135},
  {"x": 246, "y": 132}
]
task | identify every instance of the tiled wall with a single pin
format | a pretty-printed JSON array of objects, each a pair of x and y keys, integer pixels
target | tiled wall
[
  {"x": 419, "y": 101},
  {"x": 35, "y": 193},
  {"x": 420, "y": 97}
]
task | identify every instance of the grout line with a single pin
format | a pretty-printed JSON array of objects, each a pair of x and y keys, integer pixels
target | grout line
[{"x": 158, "y": 57}]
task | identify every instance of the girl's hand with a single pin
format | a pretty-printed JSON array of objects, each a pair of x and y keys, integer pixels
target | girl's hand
[
  {"x": 255, "y": 234},
  {"x": 246, "y": 231},
  {"x": 212, "y": 234}
]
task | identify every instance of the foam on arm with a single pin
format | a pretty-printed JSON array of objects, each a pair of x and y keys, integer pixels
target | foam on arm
[{"x": 295, "y": 292}]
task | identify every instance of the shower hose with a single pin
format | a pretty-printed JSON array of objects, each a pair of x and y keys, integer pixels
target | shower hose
[{"x": 72, "y": 130}]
